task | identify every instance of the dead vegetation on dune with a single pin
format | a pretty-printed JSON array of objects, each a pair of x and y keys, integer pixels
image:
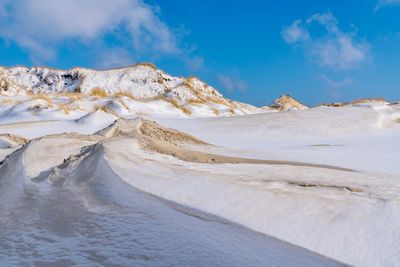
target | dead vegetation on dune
[
  {"x": 176, "y": 105},
  {"x": 98, "y": 92},
  {"x": 72, "y": 96},
  {"x": 146, "y": 64},
  {"x": 64, "y": 107},
  {"x": 216, "y": 111},
  {"x": 45, "y": 98},
  {"x": 367, "y": 100},
  {"x": 102, "y": 108},
  {"x": 358, "y": 101},
  {"x": 3, "y": 85},
  {"x": 127, "y": 94},
  {"x": 14, "y": 139}
]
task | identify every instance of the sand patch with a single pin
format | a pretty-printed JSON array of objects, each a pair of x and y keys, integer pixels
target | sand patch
[
  {"x": 11, "y": 140},
  {"x": 203, "y": 157},
  {"x": 155, "y": 131},
  {"x": 154, "y": 137}
]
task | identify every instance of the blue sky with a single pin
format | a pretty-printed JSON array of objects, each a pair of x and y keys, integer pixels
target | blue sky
[{"x": 251, "y": 51}]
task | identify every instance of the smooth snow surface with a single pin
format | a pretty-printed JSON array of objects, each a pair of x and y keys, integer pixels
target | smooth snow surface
[{"x": 100, "y": 182}]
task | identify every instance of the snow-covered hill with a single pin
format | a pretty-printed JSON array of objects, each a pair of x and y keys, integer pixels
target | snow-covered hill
[{"x": 129, "y": 90}]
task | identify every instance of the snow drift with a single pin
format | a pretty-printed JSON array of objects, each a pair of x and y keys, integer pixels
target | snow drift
[
  {"x": 71, "y": 207},
  {"x": 105, "y": 167}
]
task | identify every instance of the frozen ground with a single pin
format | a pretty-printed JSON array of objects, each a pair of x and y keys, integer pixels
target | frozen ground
[
  {"x": 59, "y": 209},
  {"x": 102, "y": 220},
  {"x": 91, "y": 185}
]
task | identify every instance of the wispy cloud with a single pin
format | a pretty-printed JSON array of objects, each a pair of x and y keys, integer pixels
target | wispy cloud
[
  {"x": 39, "y": 26},
  {"x": 383, "y": 3},
  {"x": 295, "y": 33},
  {"x": 194, "y": 63},
  {"x": 113, "y": 58},
  {"x": 335, "y": 48},
  {"x": 231, "y": 83},
  {"x": 336, "y": 85},
  {"x": 333, "y": 88}
]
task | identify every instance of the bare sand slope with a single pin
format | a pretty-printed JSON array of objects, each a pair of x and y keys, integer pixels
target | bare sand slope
[{"x": 167, "y": 141}]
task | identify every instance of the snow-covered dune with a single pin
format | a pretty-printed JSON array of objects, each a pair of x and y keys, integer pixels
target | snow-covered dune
[
  {"x": 135, "y": 167},
  {"x": 141, "y": 89},
  {"x": 62, "y": 203}
]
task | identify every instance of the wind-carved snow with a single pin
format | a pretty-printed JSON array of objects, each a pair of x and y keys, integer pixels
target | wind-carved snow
[
  {"x": 68, "y": 206},
  {"x": 95, "y": 176}
]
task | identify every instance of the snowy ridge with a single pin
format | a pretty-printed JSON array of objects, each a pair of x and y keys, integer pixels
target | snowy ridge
[
  {"x": 79, "y": 184},
  {"x": 142, "y": 83}
]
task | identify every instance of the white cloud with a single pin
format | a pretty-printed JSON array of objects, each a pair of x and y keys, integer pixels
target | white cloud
[
  {"x": 231, "y": 83},
  {"x": 40, "y": 25},
  {"x": 383, "y": 3},
  {"x": 335, "y": 48},
  {"x": 294, "y": 33}
]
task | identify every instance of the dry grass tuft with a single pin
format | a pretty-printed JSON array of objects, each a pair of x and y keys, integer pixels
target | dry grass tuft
[
  {"x": 45, "y": 98},
  {"x": 127, "y": 94},
  {"x": 123, "y": 104},
  {"x": 148, "y": 99},
  {"x": 185, "y": 110},
  {"x": 192, "y": 79},
  {"x": 222, "y": 102},
  {"x": 64, "y": 108},
  {"x": 366, "y": 100},
  {"x": 72, "y": 96},
  {"x": 216, "y": 111},
  {"x": 189, "y": 85},
  {"x": 196, "y": 101},
  {"x": 160, "y": 79},
  {"x": 173, "y": 102},
  {"x": 147, "y": 65},
  {"x": 102, "y": 108},
  {"x": 98, "y": 92},
  {"x": 4, "y": 85}
]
